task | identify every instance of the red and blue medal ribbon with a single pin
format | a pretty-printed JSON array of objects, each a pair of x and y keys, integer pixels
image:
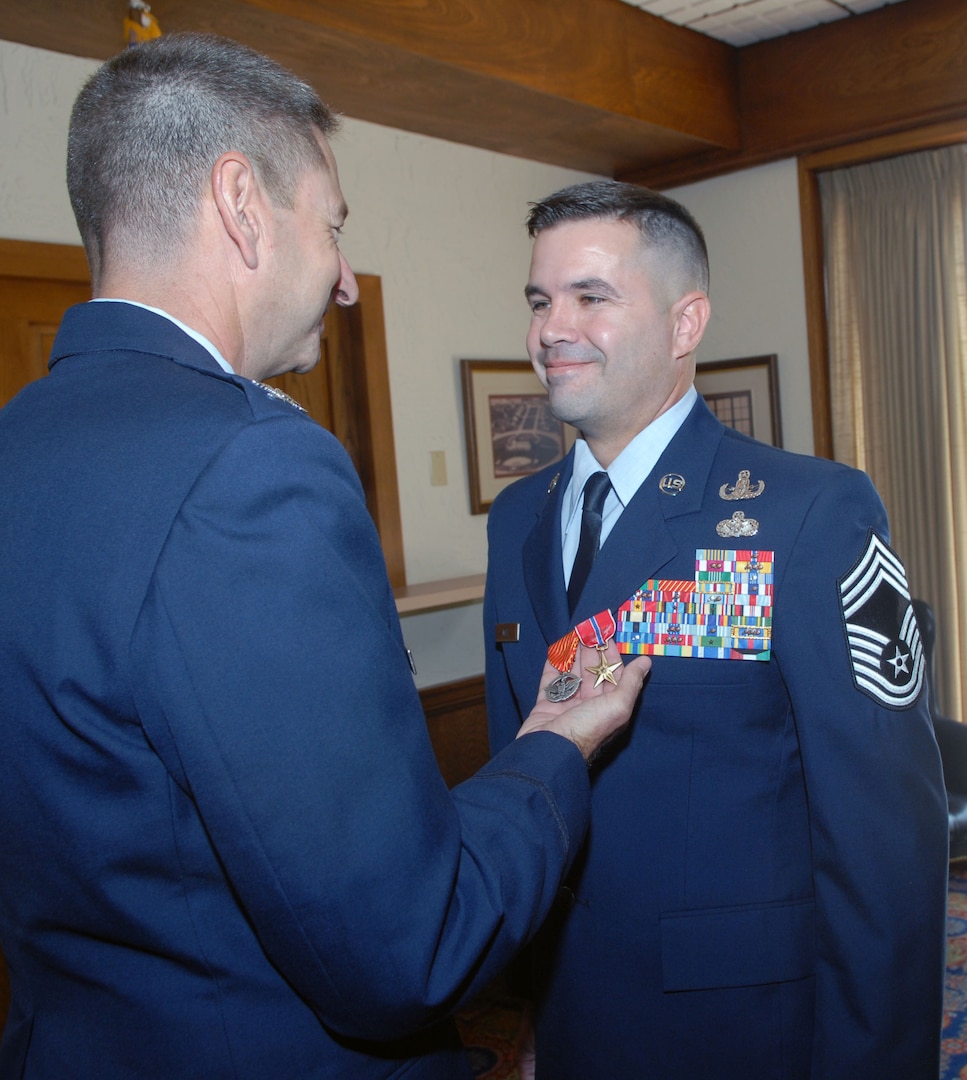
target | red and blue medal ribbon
[{"x": 597, "y": 631}]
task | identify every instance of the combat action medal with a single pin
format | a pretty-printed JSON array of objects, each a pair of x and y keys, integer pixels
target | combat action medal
[{"x": 561, "y": 654}]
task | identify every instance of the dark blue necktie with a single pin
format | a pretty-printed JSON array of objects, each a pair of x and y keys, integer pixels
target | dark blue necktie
[{"x": 595, "y": 492}]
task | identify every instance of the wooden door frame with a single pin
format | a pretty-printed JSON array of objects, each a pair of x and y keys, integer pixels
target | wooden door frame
[
  {"x": 810, "y": 166},
  {"x": 67, "y": 262},
  {"x": 54, "y": 262}
]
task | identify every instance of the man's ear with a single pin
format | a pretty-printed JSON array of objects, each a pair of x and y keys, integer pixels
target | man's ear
[
  {"x": 691, "y": 314},
  {"x": 239, "y": 201}
]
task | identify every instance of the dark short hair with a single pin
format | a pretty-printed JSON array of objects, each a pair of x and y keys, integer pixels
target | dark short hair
[
  {"x": 149, "y": 124},
  {"x": 665, "y": 225}
]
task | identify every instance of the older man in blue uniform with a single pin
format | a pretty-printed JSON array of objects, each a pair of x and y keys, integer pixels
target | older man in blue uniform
[
  {"x": 762, "y": 893},
  {"x": 226, "y": 848}
]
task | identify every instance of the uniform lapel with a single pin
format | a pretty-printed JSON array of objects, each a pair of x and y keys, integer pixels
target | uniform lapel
[{"x": 542, "y": 559}]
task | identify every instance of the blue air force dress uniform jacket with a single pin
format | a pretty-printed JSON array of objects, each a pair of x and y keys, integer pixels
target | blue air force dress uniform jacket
[
  {"x": 763, "y": 889},
  {"x": 227, "y": 850}
]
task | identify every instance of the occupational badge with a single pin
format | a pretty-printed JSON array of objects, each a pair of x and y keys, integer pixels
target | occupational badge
[
  {"x": 885, "y": 650},
  {"x": 743, "y": 488},
  {"x": 737, "y": 525}
]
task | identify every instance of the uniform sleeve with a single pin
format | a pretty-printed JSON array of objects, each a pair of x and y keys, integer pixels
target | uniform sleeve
[
  {"x": 877, "y": 807},
  {"x": 272, "y": 681}
]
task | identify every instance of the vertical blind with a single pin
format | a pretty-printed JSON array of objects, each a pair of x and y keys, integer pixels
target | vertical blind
[{"x": 896, "y": 298}]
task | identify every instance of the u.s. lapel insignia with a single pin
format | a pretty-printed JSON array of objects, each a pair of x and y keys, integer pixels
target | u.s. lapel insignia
[
  {"x": 279, "y": 395},
  {"x": 671, "y": 483},
  {"x": 742, "y": 488},
  {"x": 737, "y": 525}
]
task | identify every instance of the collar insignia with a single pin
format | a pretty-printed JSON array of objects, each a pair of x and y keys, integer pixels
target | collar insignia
[
  {"x": 671, "y": 483},
  {"x": 279, "y": 395}
]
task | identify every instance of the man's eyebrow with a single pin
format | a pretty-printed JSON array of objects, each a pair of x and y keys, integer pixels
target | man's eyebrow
[
  {"x": 593, "y": 284},
  {"x": 584, "y": 285}
]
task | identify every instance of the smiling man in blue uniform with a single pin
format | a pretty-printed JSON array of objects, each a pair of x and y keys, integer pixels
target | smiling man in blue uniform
[
  {"x": 227, "y": 851},
  {"x": 763, "y": 889}
]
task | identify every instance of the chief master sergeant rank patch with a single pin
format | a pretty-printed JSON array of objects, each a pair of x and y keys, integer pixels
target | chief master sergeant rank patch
[{"x": 886, "y": 654}]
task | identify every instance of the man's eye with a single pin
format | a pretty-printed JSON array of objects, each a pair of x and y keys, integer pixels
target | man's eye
[
  {"x": 539, "y": 305},
  {"x": 592, "y": 299}
]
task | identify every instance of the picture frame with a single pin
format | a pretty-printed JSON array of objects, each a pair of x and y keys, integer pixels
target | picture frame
[
  {"x": 744, "y": 394},
  {"x": 510, "y": 429}
]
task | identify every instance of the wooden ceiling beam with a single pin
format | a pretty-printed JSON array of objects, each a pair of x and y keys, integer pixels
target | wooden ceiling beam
[
  {"x": 597, "y": 85},
  {"x": 892, "y": 70}
]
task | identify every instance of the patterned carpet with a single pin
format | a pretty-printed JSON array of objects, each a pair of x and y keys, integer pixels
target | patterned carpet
[
  {"x": 489, "y": 1032},
  {"x": 489, "y": 1027},
  {"x": 953, "y": 1056}
]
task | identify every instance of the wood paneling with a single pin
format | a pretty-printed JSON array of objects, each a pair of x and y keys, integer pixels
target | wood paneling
[
  {"x": 456, "y": 717},
  {"x": 55, "y": 262},
  {"x": 38, "y": 282}
]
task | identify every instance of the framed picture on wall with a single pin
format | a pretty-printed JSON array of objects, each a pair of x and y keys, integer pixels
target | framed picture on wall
[
  {"x": 510, "y": 429},
  {"x": 744, "y": 394}
]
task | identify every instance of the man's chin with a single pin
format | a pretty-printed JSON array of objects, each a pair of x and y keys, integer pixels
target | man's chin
[
  {"x": 310, "y": 359},
  {"x": 307, "y": 366},
  {"x": 564, "y": 410}
]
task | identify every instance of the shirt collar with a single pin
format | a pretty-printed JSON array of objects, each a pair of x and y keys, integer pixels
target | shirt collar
[{"x": 634, "y": 463}]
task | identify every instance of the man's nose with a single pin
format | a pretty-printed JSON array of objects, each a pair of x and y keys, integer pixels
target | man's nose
[
  {"x": 347, "y": 289},
  {"x": 558, "y": 325}
]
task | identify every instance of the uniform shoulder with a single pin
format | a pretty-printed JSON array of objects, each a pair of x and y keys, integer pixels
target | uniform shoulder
[{"x": 805, "y": 467}]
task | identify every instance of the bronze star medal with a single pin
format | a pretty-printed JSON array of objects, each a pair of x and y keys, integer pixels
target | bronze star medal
[
  {"x": 595, "y": 633},
  {"x": 604, "y": 672}
]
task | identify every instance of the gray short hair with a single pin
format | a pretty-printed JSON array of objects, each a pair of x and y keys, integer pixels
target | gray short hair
[
  {"x": 666, "y": 226},
  {"x": 149, "y": 125}
]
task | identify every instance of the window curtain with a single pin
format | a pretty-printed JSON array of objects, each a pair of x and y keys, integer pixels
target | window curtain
[{"x": 896, "y": 296}]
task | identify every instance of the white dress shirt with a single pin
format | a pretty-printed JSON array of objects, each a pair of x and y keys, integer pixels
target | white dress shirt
[{"x": 626, "y": 473}]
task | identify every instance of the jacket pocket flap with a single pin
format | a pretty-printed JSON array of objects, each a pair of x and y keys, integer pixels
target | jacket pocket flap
[{"x": 737, "y": 946}]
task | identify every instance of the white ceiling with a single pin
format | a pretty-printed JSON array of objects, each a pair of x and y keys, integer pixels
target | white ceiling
[{"x": 740, "y": 22}]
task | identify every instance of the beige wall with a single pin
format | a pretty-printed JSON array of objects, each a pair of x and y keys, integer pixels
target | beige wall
[
  {"x": 441, "y": 224},
  {"x": 751, "y": 223}
]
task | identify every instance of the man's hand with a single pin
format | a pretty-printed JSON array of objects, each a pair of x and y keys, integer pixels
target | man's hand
[{"x": 596, "y": 713}]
